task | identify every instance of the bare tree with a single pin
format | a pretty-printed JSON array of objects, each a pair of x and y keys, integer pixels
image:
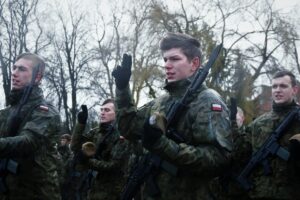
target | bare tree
[
  {"x": 15, "y": 19},
  {"x": 70, "y": 62}
]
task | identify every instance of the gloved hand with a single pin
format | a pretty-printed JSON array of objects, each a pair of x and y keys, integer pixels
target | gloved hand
[
  {"x": 122, "y": 73},
  {"x": 153, "y": 130},
  {"x": 81, "y": 158},
  {"x": 294, "y": 147},
  {"x": 82, "y": 115},
  {"x": 233, "y": 109}
]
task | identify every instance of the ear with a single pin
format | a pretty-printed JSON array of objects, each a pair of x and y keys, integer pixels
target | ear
[
  {"x": 296, "y": 89},
  {"x": 38, "y": 77},
  {"x": 195, "y": 63}
]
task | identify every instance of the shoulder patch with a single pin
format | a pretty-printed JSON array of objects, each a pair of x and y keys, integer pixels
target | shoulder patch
[
  {"x": 216, "y": 107},
  {"x": 44, "y": 108}
]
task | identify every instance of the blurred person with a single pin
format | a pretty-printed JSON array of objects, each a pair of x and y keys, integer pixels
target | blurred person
[
  {"x": 283, "y": 181},
  {"x": 29, "y": 129},
  {"x": 205, "y": 125},
  {"x": 103, "y": 151}
]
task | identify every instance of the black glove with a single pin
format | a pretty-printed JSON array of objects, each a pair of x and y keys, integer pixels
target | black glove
[
  {"x": 151, "y": 134},
  {"x": 122, "y": 73},
  {"x": 233, "y": 109},
  {"x": 294, "y": 148},
  {"x": 82, "y": 115}
]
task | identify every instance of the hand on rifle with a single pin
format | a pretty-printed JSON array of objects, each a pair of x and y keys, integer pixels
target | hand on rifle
[
  {"x": 154, "y": 128},
  {"x": 294, "y": 147},
  {"x": 122, "y": 73},
  {"x": 82, "y": 115},
  {"x": 87, "y": 151}
]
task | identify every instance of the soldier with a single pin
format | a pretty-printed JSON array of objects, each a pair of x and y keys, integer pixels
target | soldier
[
  {"x": 205, "y": 124},
  {"x": 29, "y": 129},
  {"x": 64, "y": 147},
  {"x": 109, "y": 164},
  {"x": 284, "y": 180},
  {"x": 64, "y": 163}
]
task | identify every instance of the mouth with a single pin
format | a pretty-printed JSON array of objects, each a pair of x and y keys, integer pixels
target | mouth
[{"x": 170, "y": 75}]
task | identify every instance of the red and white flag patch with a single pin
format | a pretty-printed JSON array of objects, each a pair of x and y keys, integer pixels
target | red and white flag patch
[{"x": 216, "y": 107}]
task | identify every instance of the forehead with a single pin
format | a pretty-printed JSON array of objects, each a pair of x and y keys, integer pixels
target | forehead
[
  {"x": 24, "y": 62},
  {"x": 280, "y": 80},
  {"x": 108, "y": 106},
  {"x": 173, "y": 52}
]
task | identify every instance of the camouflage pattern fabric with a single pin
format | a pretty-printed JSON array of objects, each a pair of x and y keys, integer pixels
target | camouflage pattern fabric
[
  {"x": 206, "y": 127},
  {"x": 33, "y": 148},
  {"x": 226, "y": 187},
  {"x": 110, "y": 165},
  {"x": 282, "y": 183}
]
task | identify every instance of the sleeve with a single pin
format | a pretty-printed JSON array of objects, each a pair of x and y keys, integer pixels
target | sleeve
[
  {"x": 129, "y": 120},
  {"x": 119, "y": 155},
  {"x": 77, "y": 137},
  {"x": 41, "y": 129},
  {"x": 209, "y": 150}
]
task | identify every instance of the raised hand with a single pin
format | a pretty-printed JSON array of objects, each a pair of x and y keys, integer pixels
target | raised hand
[
  {"x": 122, "y": 73},
  {"x": 82, "y": 115}
]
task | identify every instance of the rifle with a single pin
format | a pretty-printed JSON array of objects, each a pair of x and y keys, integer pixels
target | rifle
[
  {"x": 269, "y": 148},
  {"x": 151, "y": 163},
  {"x": 15, "y": 120}
]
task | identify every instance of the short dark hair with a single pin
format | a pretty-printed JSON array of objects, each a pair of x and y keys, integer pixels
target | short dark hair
[
  {"x": 189, "y": 45},
  {"x": 36, "y": 60},
  {"x": 109, "y": 100},
  {"x": 286, "y": 73}
]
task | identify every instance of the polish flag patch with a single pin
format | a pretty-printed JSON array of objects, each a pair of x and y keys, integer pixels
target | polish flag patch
[
  {"x": 44, "y": 108},
  {"x": 216, "y": 107}
]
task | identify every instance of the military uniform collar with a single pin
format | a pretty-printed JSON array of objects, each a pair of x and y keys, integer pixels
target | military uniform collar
[
  {"x": 15, "y": 96},
  {"x": 283, "y": 109},
  {"x": 178, "y": 88}
]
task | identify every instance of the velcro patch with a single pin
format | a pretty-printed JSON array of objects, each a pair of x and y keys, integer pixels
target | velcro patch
[
  {"x": 122, "y": 138},
  {"x": 44, "y": 108},
  {"x": 216, "y": 107}
]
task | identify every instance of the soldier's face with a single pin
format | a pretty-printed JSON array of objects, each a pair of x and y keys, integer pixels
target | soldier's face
[
  {"x": 21, "y": 74},
  {"x": 177, "y": 65},
  {"x": 107, "y": 114},
  {"x": 64, "y": 142},
  {"x": 282, "y": 90}
]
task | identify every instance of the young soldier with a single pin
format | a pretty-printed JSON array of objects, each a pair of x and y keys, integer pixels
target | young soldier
[
  {"x": 283, "y": 181},
  {"x": 29, "y": 130},
  {"x": 204, "y": 125},
  {"x": 111, "y": 153}
]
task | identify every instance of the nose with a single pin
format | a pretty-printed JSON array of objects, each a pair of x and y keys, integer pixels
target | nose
[
  {"x": 14, "y": 71},
  {"x": 168, "y": 65}
]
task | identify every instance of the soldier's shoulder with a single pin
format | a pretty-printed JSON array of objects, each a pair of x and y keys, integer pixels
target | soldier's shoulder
[
  {"x": 211, "y": 99},
  {"x": 46, "y": 109},
  {"x": 262, "y": 119}
]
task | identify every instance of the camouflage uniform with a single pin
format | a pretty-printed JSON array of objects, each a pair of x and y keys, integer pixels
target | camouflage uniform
[
  {"x": 110, "y": 165},
  {"x": 33, "y": 148},
  {"x": 282, "y": 183},
  {"x": 226, "y": 187},
  {"x": 206, "y": 129},
  {"x": 64, "y": 159}
]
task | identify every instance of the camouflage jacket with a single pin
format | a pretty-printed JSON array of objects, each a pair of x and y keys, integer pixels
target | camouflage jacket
[
  {"x": 205, "y": 125},
  {"x": 282, "y": 183},
  {"x": 33, "y": 148},
  {"x": 111, "y": 164}
]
